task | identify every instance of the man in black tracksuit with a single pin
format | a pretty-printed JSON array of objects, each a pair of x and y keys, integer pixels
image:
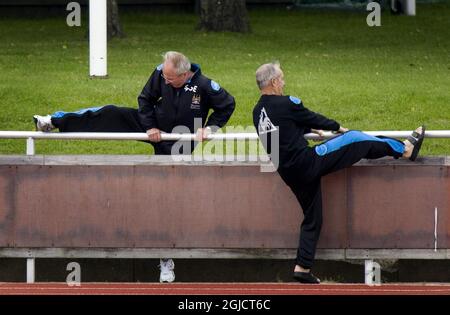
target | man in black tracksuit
[
  {"x": 177, "y": 95},
  {"x": 300, "y": 166},
  {"x": 177, "y": 98}
]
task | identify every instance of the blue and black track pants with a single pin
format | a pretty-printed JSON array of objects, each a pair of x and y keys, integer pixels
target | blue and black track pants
[
  {"x": 304, "y": 179},
  {"x": 108, "y": 118}
]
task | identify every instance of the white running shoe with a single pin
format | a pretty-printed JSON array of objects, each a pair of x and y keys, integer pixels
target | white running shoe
[
  {"x": 166, "y": 266},
  {"x": 43, "y": 123}
]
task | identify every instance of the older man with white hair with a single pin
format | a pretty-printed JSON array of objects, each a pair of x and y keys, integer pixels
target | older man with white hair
[
  {"x": 177, "y": 95},
  {"x": 301, "y": 167}
]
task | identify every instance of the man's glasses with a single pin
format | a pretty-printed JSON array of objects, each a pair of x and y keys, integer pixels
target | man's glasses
[{"x": 169, "y": 80}]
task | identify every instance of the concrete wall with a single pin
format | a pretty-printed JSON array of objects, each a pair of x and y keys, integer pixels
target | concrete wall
[{"x": 150, "y": 202}]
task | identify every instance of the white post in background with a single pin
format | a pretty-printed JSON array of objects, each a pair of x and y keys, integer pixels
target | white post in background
[
  {"x": 409, "y": 7},
  {"x": 97, "y": 38}
]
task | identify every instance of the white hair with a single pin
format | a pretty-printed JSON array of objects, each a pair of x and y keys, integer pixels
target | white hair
[
  {"x": 267, "y": 72},
  {"x": 180, "y": 62}
]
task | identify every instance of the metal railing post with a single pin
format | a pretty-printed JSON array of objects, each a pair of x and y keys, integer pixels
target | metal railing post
[
  {"x": 30, "y": 270},
  {"x": 30, "y": 146}
]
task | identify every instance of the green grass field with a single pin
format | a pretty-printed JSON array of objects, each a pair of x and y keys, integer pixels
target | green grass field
[{"x": 392, "y": 77}]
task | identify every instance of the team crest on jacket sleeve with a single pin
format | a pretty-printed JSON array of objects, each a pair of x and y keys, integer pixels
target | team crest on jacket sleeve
[
  {"x": 215, "y": 86},
  {"x": 295, "y": 100},
  {"x": 265, "y": 125}
]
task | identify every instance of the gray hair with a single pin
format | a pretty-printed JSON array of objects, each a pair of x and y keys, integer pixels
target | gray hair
[
  {"x": 267, "y": 72},
  {"x": 179, "y": 61}
]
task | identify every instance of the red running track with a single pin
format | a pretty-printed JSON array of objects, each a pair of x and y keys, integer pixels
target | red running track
[{"x": 220, "y": 289}]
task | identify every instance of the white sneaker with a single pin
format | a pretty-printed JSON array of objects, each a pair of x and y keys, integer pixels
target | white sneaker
[
  {"x": 166, "y": 266},
  {"x": 43, "y": 123}
]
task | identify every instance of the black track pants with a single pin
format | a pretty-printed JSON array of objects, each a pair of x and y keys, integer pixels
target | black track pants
[
  {"x": 109, "y": 118},
  {"x": 304, "y": 179}
]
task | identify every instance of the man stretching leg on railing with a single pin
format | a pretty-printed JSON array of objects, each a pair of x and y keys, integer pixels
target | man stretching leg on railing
[
  {"x": 302, "y": 167},
  {"x": 176, "y": 95}
]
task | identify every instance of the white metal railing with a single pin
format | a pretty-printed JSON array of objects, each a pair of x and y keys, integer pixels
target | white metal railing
[{"x": 31, "y": 136}]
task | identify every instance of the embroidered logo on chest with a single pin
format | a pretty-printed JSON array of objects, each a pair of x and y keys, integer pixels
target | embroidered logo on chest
[
  {"x": 188, "y": 88},
  {"x": 195, "y": 104},
  {"x": 265, "y": 124}
]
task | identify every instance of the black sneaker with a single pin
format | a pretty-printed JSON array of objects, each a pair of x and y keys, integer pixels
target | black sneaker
[{"x": 306, "y": 277}]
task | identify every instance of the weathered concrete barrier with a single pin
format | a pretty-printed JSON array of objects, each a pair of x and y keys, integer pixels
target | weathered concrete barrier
[{"x": 149, "y": 206}]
